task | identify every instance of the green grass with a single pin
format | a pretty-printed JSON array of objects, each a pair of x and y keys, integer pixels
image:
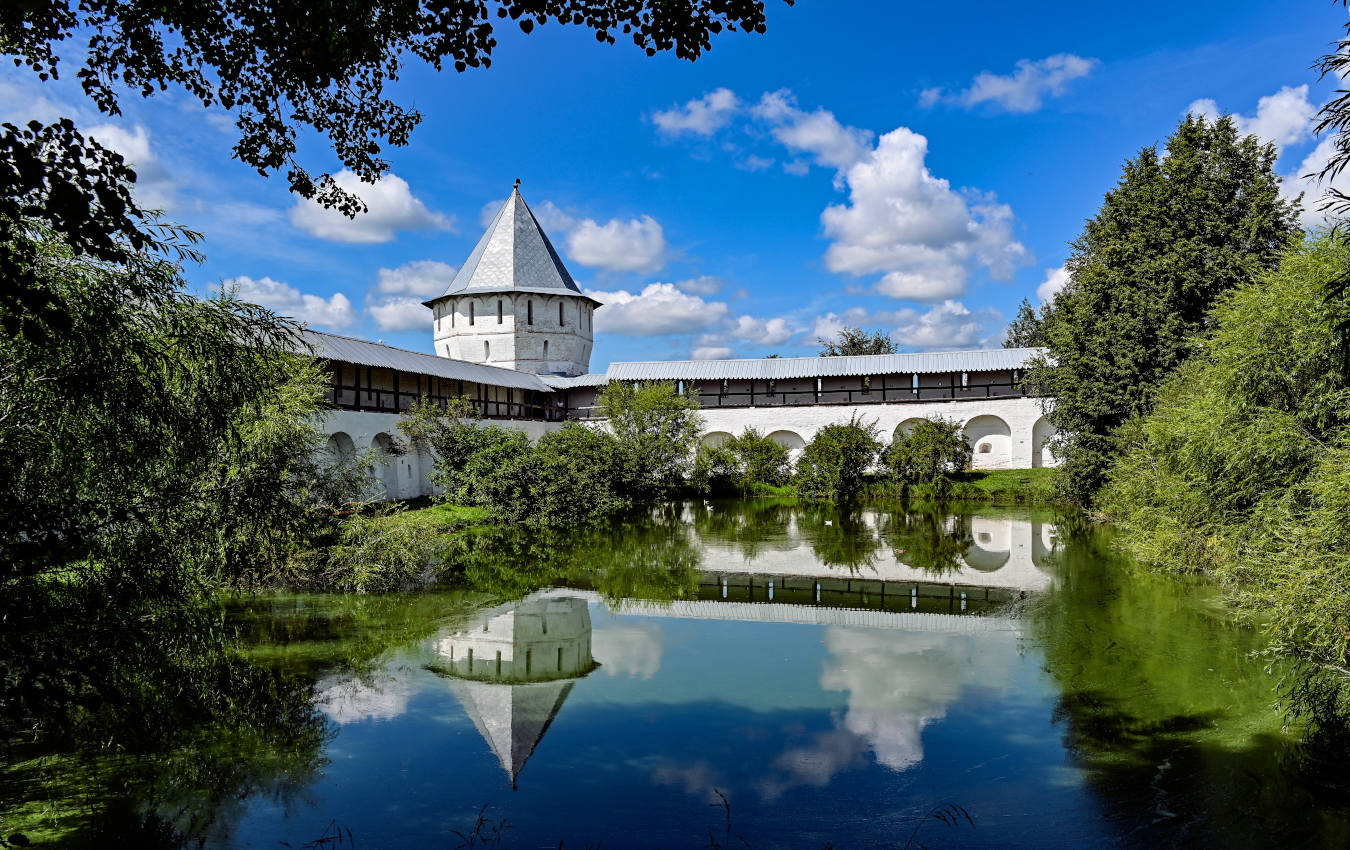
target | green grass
[{"x": 1006, "y": 486}]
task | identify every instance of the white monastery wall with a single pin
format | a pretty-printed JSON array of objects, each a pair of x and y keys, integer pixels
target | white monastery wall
[{"x": 1005, "y": 433}]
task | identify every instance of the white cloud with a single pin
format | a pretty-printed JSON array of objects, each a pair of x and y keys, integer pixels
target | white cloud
[
  {"x": 1053, "y": 283},
  {"x": 1284, "y": 118},
  {"x": 401, "y": 313},
  {"x": 775, "y": 331},
  {"x": 711, "y": 352},
  {"x": 628, "y": 650},
  {"x": 286, "y": 300},
  {"x": 819, "y": 133},
  {"x": 1304, "y": 179},
  {"x": 636, "y": 245},
  {"x": 797, "y": 167},
  {"x": 154, "y": 185},
  {"x": 1025, "y": 89},
  {"x": 702, "y": 285},
  {"x": 947, "y": 325},
  {"x": 427, "y": 278},
  {"x": 754, "y": 163},
  {"x": 660, "y": 308},
  {"x": 347, "y": 701},
  {"x": 913, "y": 227},
  {"x": 391, "y": 207},
  {"x": 702, "y": 116}
]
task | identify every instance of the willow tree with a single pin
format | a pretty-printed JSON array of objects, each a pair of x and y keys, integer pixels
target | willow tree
[{"x": 1183, "y": 226}]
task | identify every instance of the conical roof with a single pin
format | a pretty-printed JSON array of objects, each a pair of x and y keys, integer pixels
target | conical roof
[
  {"x": 514, "y": 255},
  {"x": 511, "y": 718}
]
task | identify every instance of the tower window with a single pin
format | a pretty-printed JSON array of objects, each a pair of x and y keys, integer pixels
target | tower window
[
  {"x": 471, "y": 312},
  {"x": 545, "y": 349},
  {"x": 529, "y": 312},
  {"x": 499, "y": 311},
  {"x": 560, "y": 314},
  {"x": 452, "y": 314},
  {"x": 487, "y": 351}
]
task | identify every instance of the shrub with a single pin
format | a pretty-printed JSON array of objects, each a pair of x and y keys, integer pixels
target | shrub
[
  {"x": 759, "y": 460},
  {"x": 833, "y": 464},
  {"x": 658, "y": 430},
  {"x": 928, "y": 454},
  {"x": 715, "y": 469},
  {"x": 573, "y": 477}
]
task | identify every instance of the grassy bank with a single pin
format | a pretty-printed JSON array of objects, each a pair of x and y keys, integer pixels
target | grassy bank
[{"x": 991, "y": 487}]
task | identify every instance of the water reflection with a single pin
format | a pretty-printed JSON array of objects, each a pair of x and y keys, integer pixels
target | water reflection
[{"x": 513, "y": 673}]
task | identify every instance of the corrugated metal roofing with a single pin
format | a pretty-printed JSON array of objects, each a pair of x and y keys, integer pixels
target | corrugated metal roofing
[
  {"x": 785, "y": 368},
  {"x": 563, "y": 382},
  {"x": 349, "y": 350}
]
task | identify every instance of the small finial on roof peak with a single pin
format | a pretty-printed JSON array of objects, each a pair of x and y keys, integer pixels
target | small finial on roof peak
[{"x": 517, "y": 186}]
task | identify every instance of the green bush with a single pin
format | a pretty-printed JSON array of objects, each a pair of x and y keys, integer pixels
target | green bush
[
  {"x": 929, "y": 454},
  {"x": 658, "y": 432},
  {"x": 714, "y": 470},
  {"x": 572, "y": 477},
  {"x": 833, "y": 464},
  {"x": 759, "y": 460},
  {"x": 1242, "y": 466}
]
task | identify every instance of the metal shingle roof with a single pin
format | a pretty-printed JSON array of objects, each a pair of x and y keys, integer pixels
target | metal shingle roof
[
  {"x": 513, "y": 255},
  {"x": 786, "y": 368},
  {"x": 349, "y": 350}
]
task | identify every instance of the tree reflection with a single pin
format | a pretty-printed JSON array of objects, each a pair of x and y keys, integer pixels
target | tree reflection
[
  {"x": 1177, "y": 730},
  {"x": 928, "y": 539}
]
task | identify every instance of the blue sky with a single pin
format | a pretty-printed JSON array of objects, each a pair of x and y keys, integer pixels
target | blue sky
[{"x": 916, "y": 167}]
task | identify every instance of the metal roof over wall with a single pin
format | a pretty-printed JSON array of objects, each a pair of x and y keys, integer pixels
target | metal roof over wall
[
  {"x": 349, "y": 350},
  {"x": 787, "y": 368}
]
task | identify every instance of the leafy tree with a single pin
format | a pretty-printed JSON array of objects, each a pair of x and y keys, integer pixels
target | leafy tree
[
  {"x": 573, "y": 476},
  {"x": 1024, "y": 331},
  {"x": 833, "y": 464},
  {"x": 280, "y": 67},
  {"x": 658, "y": 431},
  {"x": 929, "y": 453},
  {"x": 714, "y": 470},
  {"x": 759, "y": 460},
  {"x": 1179, "y": 230},
  {"x": 1241, "y": 468},
  {"x": 852, "y": 341}
]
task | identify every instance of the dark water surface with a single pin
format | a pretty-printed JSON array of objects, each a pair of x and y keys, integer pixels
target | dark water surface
[{"x": 758, "y": 674}]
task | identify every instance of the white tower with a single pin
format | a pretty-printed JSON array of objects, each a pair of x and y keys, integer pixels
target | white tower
[{"x": 513, "y": 304}]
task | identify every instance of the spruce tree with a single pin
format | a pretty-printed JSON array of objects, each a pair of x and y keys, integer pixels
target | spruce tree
[
  {"x": 1024, "y": 331},
  {"x": 1177, "y": 231}
]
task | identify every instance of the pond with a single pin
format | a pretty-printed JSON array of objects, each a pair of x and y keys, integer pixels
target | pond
[{"x": 764, "y": 674}]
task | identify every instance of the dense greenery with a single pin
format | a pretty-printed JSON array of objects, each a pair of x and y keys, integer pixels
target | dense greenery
[
  {"x": 573, "y": 475},
  {"x": 748, "y": 463},
  {"x": 1242, "y": 466},
  {"x": 851, "y": 341},
  {"x": 833, "y": 464},
  {"x": 657, "y": 428},
  {"x": 1025, "y": 330},
  {"x": 1180, "y": 229},
  {"x": 929, "y": 453}
]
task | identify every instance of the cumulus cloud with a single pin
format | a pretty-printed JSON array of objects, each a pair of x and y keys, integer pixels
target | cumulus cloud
[
  {"x": 1024, "y": 90},
  {"x": 1053, "y": 283},
  {"x": 347, "y": 701},
  {"x": 701, "y": 116},
  {"x": 391, "y": 207},
  {"x": 636, "y": 245},
  {"x": 427, "y": 278},
  {"x": 710, "y": 352},
  {"x": 401, "y": 313},
  {"x": 947, "y": 325},
  {"x": 818, "y": 133},
  {"x": 702, "y": 285},
  {"x": 660, "y": 308},
  {"x": 911, "y": 226},
  {"x": 627, "y": 650},
  {"x": 1284, "y": 118},
  {"x": 775, "y": 331},
  {"x": 286, "y": 300},
  {"x": 154, "y": 187}
]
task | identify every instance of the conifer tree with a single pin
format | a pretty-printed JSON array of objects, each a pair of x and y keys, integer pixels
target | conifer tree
[
  {"x": 1180, "y": 228},
  {"x": 1024, "y": 331}
]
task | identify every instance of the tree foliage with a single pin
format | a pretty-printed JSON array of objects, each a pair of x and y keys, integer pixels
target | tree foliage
[
  {"x": 747, "y": 463},
  {"x": 1025, "y": 330},
  {"x": 929, "y": 453},
  {"x": 658, "y": 431},
  {"x": 1242, "y": 466},
  {"x": 833, "y": 464},
  {"x": 851, "y": 341},
  {"x": 1179, "y": 230}
]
